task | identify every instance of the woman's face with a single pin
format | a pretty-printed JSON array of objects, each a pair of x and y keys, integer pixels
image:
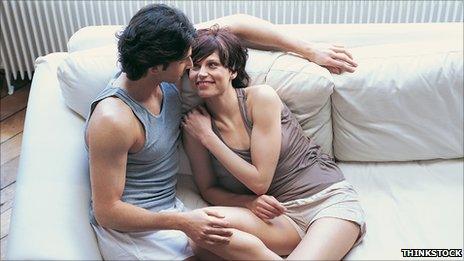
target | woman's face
[{"x": 209, "y": 77}]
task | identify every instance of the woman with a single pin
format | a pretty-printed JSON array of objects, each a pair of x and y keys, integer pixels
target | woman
[{"x": 247, "y": 152}]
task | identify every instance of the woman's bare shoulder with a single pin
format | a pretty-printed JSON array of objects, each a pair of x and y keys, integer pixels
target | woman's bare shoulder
[{"x": 262, "y": 93}]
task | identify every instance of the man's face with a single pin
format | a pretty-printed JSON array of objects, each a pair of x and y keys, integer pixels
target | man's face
[{"x": 176, "y": 69}]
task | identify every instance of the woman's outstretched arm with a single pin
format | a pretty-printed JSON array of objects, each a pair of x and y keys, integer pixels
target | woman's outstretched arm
[{"x": 260, "y": 34}]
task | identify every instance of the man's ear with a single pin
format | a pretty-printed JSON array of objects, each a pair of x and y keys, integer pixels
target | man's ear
[
  {"x": 233, "y": 75},
  {"x": 155, "y": 69}
]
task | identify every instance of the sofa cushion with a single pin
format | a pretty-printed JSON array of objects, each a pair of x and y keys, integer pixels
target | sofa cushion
[
  {"x": 404, "y": 202},
  {"x": 90, "y": 37},
  {"x": 84, "y": 74},
  {"x": 404, "y": 102},
  {"x": 304, "y": 86}
]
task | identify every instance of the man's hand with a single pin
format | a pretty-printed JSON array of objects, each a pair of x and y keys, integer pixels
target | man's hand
[
  {"x": 207, "y": 227},
  {"x": 266, "y": 207},
  {"x": 333, "y": 57}
]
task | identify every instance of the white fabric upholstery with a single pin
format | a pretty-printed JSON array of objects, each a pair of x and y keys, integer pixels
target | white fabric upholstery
[
  {"x": 415, "y": 204},
  {"x": 50, "y": 211},
  {"x": 84, "y": 74},
  {"x": 403, "y": 103},
  {"x": 93, "y": 37}
]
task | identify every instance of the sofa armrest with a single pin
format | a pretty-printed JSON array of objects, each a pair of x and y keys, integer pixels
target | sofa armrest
[{"x": 52, "y": 188}]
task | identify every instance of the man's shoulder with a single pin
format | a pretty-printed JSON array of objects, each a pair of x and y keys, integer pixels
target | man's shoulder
[{"x": 113, "y": 113}]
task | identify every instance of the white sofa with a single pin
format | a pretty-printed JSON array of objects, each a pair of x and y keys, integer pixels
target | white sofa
[{"x": 395, "y": 125}]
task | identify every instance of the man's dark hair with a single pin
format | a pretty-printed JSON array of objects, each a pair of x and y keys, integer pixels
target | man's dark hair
[
  {"x": 231, "y": 52},
  {"x": 156, "y": 35}
]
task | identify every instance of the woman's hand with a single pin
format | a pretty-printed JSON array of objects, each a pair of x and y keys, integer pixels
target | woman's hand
[
  {"x": 333, "y": 57},
  {"x": 266, "y": 207},
  {"x": 197, "y": 123}
]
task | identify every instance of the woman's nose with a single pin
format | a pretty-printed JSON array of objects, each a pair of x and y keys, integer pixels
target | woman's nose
[{"x": 202, "y": 72}]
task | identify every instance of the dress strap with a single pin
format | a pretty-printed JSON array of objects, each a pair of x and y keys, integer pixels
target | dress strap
[{"x": 241, "y": 96}]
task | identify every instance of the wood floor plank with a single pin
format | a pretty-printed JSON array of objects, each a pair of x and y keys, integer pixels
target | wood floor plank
[
  {"x": 12, "y": 125},
  {"x": 5, "y": 226},
  {"x": 11, "y": 148},
  {"x": 13, "y": 103},
  {"x": 9, "y": 172},
  {"x": 7, "y": 196},
  {"x": 3, "y": 243}
]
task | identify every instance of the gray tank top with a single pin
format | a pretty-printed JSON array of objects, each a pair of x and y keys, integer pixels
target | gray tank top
[
  {"x": 151, "y": 172},
  {"x": 302, "y": 169}
]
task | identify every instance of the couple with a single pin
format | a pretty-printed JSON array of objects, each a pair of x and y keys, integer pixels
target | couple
[{"x": 281, "y": 195}]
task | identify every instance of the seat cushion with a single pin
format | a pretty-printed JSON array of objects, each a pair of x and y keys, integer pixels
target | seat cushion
[{"x": 416, "y": 204}]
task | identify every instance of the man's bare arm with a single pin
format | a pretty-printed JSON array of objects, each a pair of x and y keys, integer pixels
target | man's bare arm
[{"x": 111, "y": 135}]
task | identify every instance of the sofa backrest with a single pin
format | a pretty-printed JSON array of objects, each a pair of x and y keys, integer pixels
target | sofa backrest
[{"x": 403, "y": 103}]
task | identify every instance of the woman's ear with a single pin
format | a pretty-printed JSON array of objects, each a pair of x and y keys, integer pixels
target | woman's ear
[{"x": 233, "y": 75}]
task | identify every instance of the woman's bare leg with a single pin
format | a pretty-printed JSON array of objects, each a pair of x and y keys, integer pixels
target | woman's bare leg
[
  {"x": 243, "y": 246},
  {"x": 254, "y": 238},
  {"x": 327, "y": 239}
]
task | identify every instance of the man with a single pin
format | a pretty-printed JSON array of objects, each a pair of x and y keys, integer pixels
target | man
[{"x": 132, "y": 134}]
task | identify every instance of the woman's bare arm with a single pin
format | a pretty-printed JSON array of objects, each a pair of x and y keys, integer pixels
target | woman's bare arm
[
  {"x": 260, "y": 34},
  {"x": 265, "y": 140}
]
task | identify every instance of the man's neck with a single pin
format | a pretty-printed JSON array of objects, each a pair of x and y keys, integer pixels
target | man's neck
[{"x": 141, "y": 90}]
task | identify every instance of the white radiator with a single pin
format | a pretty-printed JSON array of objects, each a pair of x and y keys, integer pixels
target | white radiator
[{"x": 30, "y": 29}]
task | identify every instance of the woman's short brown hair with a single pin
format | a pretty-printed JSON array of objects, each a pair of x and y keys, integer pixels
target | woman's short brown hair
[{"x": 231, "y": 52}]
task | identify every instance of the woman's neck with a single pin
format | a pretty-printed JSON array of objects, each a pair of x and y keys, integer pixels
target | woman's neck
[{"x": 224, "y": 107}]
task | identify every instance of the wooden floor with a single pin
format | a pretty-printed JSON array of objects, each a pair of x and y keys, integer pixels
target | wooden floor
[{"x": 12, "y": 113}]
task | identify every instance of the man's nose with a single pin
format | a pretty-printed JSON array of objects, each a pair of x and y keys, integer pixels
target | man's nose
[{"x": 190, "y": 63}]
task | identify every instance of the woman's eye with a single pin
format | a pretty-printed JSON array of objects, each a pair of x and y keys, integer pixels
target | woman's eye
[
  {"x": 213, "y": 65},
  {"x": 195, "y": 67}
]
